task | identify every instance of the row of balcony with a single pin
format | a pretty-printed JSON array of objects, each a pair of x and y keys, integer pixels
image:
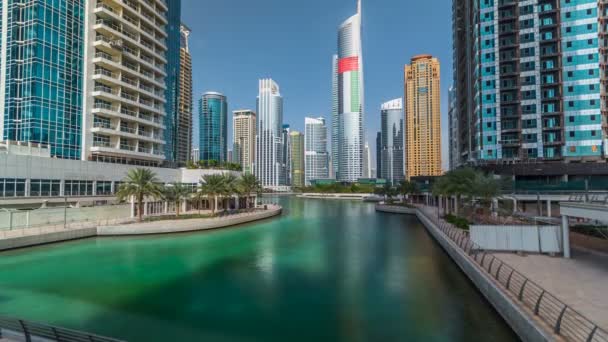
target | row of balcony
[
  {"x": 134, "y": 84},
  {"x": 114, "y": 28},
  {"x": 133, "y": 68},
  {"x": 129, "y": 130}
]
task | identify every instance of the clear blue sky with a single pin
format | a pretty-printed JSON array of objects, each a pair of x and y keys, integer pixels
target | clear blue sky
[{"x": 236, "y": 42}]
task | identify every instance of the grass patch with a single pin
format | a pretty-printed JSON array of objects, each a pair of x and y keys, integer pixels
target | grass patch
[{"x": 600, "y": 232}]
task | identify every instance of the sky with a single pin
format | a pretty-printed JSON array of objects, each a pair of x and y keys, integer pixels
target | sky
[{"x": 234, "y": 43}]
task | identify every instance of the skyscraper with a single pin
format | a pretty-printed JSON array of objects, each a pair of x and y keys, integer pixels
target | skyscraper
[
  {"x": 285, "y": 174},
  {"x": 36, "y": 106},
  {"x": 537, "y": 72},
  {"x": 172, "y": 75},
  {"x": 184, "y": 120},
  {"x": 130, "y": 81},
  {"x": 367, "y": 167},
  {"x": 296, "y": 159},
  {"x": 269, "y": 144},
  {"x": 379, "y": 155},
  {"x": 213, "y": 119},
  {"x": 244, "y": 131},
  {"x": 392, "y": 152},
  {"x": 348, "y": 117},
  {"x": 423, "y": 117},
  {"x": 316, "y": 156},
  {"x": 453, "y": 130}
]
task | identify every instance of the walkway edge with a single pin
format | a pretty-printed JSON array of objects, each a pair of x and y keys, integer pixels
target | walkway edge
[
  {"x": 526, "y": 327},
  {"x": 175, "y": 226},
  {"x": 182, "y": 226}
]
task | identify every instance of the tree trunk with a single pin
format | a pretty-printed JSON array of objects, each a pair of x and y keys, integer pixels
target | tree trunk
[
  {"x": 214, "y": 204},
  {"x": 140, "y": 203},
  {"x": 177, "y": 205}
]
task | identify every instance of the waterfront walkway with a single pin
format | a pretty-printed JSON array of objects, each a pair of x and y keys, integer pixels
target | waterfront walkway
[
  {"x": 18, "y": 238},
  {"x": 580, "y": 282},
  {"x": 566, "y": 294}
]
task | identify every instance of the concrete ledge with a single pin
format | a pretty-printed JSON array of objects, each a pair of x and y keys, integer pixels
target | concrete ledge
[
  {"x": 33, "y": 240},
  {"x": 180, "y": 226},
  {"x": 339, "y": 196},
  {"x": 525, "y": 325},
  {"x": 395, "y": 209}
]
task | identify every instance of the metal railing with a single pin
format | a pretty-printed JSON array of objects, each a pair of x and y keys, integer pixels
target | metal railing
[
  {"x": 35, "y": 331},
  {"x": 563, "y": 319}
]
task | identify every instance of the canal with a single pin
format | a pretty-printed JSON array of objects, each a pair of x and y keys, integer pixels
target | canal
[{"x": 324, "y": 271}]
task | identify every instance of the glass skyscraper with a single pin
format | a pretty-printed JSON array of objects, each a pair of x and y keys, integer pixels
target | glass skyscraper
[
  {"x": 348, "y": 117},
  {"x": 41, "y": 77},
  {"x": 529, "y": 81},
  {"x": 213, "y": 127},
  {"x": 392, "y": 152},
  {"x": 316, "y": 156},
  {"x": 172, "y": 80},
  {"x": 269, "y": 163}
]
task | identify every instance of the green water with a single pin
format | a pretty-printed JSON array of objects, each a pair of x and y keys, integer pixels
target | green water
[{"x": 324, "y": 271}]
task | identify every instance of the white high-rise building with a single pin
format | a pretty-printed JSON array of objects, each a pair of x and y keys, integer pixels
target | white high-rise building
[
  {"x": 348, "y": 118},
  {"x": 125, "y": 81},
  {"x": 315, "y": 144},
  {"x": 268, "y": 163}
]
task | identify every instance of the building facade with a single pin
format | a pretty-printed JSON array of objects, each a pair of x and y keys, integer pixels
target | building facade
[
  {"x": 127, "y": 118},
  {"x": 315, "y": 154},
  {"x": 422, "y": 117},
  {"x": 41, "y": 93},
  {"x": 392, "y": 141},
  {"x": 348, "y": 119},
  {"x": 367, "y": 160},
  {"x": 297, "y": 168},
  {"x": 536, "y": 70},
  {"x": 213, "y": 127},
  {"x": 379, "y": 154},
  {"x": 244, "y": 131},
  {"x": 184, "y": 120},
  {"x": 285, "y": 174},
  {"x": 195, "y": 155},
  {"x": 453, "y": 130},
  {"x": 268, "y": 163}
]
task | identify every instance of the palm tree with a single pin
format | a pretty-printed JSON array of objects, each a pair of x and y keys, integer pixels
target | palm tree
[
  {"x": 139, "y": 183},
  {"x": 231, "y": 186},
  {"x": 486, "y": 188},
  {"x": 407, "y": 188},
  {"x": 213, "y": 186},
  {"x": 249, "y": 184},
  {"x": 176, "y": 193}
]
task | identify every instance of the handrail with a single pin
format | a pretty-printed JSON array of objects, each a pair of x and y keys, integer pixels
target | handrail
[
  {"x": 563, "y": 319},
  {"x": 33, "y": 330}
]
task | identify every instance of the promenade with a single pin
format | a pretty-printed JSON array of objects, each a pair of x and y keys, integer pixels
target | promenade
[
  {"x": 567, "y": 295},
  {"x": 18, "y": 238},
  {"x": 580, "y": 282}
]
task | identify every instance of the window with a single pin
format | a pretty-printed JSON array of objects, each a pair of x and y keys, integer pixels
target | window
[
  {"x": 570, "y": 74},
  {"x": 570, "y": 104},
  {"x": 571, "y": 118},
  {"x": 592, "y": 117},
  {"x": 568, "y": 14},
  {"x": 592, "y": 102},
  {"x": 593, "y": 133},
  {"x": 569, "y": 59},
  {"x": 569, "y": 44},
  {"x": 571, "y": 134},
  {"x": 568, "y": 29},
  {"x": 570, "y": 89},
  {"x": 590, "y": 56}
]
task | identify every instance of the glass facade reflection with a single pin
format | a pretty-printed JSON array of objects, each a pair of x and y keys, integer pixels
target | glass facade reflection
[
  {"x": 213, "y": 111},
  {"x": 42, "y": 77}
]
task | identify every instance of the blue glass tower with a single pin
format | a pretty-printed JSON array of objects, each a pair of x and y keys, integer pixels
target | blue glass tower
[
  {"x": 41, "y": 77},
  {"x": 213, "y": 130},
  {"x": 172, "y": 79}
]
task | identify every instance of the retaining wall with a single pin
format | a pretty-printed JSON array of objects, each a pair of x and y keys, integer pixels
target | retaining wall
[
  {"x": 524, "y": 325},
  {"x": 395, "y": 209},
  {"x": 179, "y": 226},
  {"x": 40, "y": 239}
]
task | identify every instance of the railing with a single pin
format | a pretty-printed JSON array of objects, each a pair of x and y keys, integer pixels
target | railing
[
  {"x": 564, "y": 320},
  {"x": 32, "y": 330}
]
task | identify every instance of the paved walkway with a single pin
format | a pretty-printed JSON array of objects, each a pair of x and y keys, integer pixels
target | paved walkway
[{"x": 581, "y": 282}]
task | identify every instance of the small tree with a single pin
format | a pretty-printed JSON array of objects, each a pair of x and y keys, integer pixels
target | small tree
[
  {"x": 139, "y": 183},
  {"x": 176, "y": 193}
]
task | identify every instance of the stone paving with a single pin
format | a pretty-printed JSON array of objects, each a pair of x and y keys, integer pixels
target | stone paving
[{"x": 580, "y": 282}]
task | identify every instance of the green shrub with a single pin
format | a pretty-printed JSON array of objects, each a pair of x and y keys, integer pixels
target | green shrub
[{"x": 457, "y": 221}]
